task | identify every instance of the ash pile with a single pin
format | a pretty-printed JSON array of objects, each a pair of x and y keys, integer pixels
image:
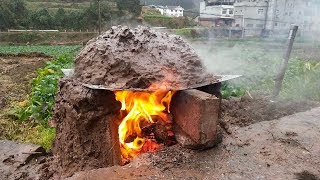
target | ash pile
[{"x": 139, "y": 59}]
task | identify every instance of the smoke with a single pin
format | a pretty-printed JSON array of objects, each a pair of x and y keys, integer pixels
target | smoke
[
  {"x": 258, "y": 60},
  {"x": 218, "y": 59}
]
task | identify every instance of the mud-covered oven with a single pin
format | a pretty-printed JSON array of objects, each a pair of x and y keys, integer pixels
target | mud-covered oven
[{"x": 133, "y": 91}]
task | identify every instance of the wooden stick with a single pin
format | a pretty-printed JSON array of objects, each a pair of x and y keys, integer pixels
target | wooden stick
[{"x": 32, "y": 152}]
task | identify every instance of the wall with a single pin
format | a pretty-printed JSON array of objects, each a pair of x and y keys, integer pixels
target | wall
[
  {"x": 251, "y": 15},
  {"x": 216, "y": 14}
]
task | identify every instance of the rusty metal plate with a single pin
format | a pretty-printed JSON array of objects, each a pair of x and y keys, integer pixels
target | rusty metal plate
[{"x": 216, "y": 79}]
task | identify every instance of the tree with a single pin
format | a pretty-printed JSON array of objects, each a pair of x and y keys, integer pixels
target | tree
[
  {"x": 91, "y": 15},
  {"x": 132, "y": 6},
  {"x": 18, "y": 8},
  {"x": 41, "y": 19},
  {"x": 60, "y": 18},
  {"x": 6, "y": 17},
  {"x": 75, "y": 20}
]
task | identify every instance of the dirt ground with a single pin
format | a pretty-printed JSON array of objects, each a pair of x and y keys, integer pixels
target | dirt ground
[
  {"x": 285, "y": 148},
  {"x": 256, "y": 143},
  {"x": 16, "y": 73},
  {"x": 262, "y": 140},
  {"x": 252, "y": 109}
]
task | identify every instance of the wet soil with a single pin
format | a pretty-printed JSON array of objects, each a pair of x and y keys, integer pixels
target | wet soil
[
  {"x": 22, "y": 161},
  {"x": 248, "y": 110},
  {"x": 124, "y": 58},
  {"x": 284, "y": 148}
]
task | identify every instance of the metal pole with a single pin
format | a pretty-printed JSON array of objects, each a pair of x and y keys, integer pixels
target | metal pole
[
  {"x": 242, "y": 35},
  {"x": 284, "y": 64},
  {"x": 264, "y": 30},
  {"x": 99, "y": 9}
]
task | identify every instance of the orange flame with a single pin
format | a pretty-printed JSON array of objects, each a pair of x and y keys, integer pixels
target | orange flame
[{"x": 140, "y": 107}]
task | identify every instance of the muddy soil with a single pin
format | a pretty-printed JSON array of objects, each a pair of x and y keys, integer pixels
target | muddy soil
[
  {"x": 22, "y": 161},
  {"x": 243, "y": 118},
  {"x": 124, "y": 58},
  {"x": 16, "y": 73},
  {"x": 248, "y": 110},
  {"x": 285, "y": 148}
]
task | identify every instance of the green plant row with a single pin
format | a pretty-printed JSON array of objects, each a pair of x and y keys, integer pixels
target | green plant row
[
  {"x": 38, "y": 107},
  {"x": 55, "y": 51}
]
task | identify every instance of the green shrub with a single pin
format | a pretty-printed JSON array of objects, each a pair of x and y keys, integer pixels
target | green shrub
[
  {"x": 41, "y": 101},
  {"x": 166, "y": 21},
  {"x": 190, "y": 33},
  {"x": 231, "y": 90}
]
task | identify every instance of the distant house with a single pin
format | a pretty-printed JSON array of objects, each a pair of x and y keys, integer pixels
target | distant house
[
  {"x": 216, "y": 13},
  {"x": 173, "y": 11}
]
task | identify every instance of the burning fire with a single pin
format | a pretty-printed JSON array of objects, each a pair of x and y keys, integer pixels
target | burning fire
[{"x": 140, "y": 110}]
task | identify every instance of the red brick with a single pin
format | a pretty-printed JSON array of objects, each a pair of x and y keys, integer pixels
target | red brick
[{"x": 196, "y": 115}]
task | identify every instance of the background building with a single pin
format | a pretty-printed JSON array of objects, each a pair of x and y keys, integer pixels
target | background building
[
  {"x": 283, "y": 13},
  {"x": 216, "y": 13},
  {"x": 173, "y": 11},
  {"x": 261, "y": 17}
]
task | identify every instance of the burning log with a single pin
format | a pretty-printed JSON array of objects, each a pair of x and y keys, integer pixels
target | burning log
[{"x": 130, "y": 138}]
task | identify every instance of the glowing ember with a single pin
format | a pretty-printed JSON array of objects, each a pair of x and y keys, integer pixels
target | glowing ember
[{"x": 141, "y": 109}]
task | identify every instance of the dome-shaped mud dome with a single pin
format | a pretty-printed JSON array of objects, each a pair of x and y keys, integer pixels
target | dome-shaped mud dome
[{"x": 140, "y": 58}]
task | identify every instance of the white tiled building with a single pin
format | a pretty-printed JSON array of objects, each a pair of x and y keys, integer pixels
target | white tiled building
[{"x": 173, "y": 11}]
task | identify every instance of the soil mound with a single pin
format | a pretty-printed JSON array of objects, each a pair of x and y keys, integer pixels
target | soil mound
[
  {"x": 124, "y": 58},
  {"x": 245, "y": 110}
]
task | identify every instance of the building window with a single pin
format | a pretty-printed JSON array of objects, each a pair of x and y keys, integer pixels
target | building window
[
  {"x": 224, "y": 11},
  {"x": 259, "y": 25},
  {"x": 230, "y": 11},
  {"x": 249, "y": 25},
  {"x": 260, "y": 11},
  {"x": 308, "y": 3},
  {"x": 275, "y": 24}
]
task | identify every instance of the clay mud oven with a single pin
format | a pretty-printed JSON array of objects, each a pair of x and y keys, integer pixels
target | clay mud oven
[{"x": 133, "y": 91}]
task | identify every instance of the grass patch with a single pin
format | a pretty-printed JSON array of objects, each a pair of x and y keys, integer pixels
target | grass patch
[
  {"x": 189, "y": 33},
  {"x": 26, "y": 132},
  {"x": 166, "y": 21},
  {"x": 35, "y": 5},
  {"x": 37, "y": 108},
  {"x": 48, "y": 50},
  {"x": 46, "y": 38}
]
